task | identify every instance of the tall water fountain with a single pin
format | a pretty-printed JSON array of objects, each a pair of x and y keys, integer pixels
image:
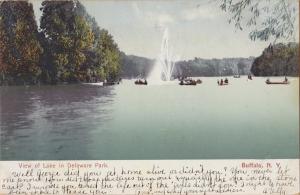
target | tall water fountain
[{"x": 164, "y": 64}]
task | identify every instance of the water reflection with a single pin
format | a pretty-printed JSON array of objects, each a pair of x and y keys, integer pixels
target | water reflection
[
  {"x": 244, "y": 120},
  {"x": 40, "y": 122}
]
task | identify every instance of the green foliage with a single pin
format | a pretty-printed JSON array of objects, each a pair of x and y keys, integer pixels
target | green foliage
[
  {"x": 80, "y": 50},
  {"x": 3, "y": 49},
  {"x": 278, "y": 60},
  {"x": 69, "y": 37},
  {"x": 267, "y": 19},
  {"x": 109, "y": 55},
  {"x": 20, "y": 49},
  {"x": 70, "y": 47}
]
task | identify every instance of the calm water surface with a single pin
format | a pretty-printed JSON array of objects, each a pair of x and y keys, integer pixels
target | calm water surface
[{"x": 247, "y": 119}]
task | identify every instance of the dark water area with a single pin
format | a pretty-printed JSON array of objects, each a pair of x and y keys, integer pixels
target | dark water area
[
  {"x": 247, "y": 119},
  {"x": 51, "y": 122}
]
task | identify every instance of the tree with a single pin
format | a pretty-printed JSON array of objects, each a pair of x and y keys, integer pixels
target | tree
[
  {"x": 109, "y": 56},
  {"x": 20, "y": 49},
  {"x": 267, "y": 19},
  {"x": 80, "y": 50},
  {"x": 277, "y": 60},
  {"x": 70, "y": 47},
  {"x": 3, "y": 49},
  {"x": 69, "y": 37}
]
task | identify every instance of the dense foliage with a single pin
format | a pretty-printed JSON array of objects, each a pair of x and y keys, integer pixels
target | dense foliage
[
  {"x": 278, "y": 60},
  {"x": 70, "y": 47},
  {"x": 266, "y": 19},
  {"x": 20, "y": 49}
]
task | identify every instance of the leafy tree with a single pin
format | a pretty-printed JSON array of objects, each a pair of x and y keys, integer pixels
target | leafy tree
[
  {"x": 267, "y": 19},
  {"x": 20, "y": 49},
  {"x": 69, "y": 37},
  {"x": 70, "y": 47},
  {"x": 109, "y": 56},
  {"x": 80, "y": 50},
  {"x": 277, "y": 60},
  {"x": 3, "y": 49}
]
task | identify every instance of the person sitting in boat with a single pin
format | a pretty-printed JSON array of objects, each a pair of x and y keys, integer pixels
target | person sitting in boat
[
  {"x": 145, "y": 82},
  {"x": 268, "y": 80},
  {"x": 285, "y": 79},
  {"x": 218, "y": 82},
  {"x": 221, "y": 82},
  {"x": 226, "y": 80}
]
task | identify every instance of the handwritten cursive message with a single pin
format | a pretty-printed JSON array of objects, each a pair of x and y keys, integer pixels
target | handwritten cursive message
[{"x": 150, "y": 177}]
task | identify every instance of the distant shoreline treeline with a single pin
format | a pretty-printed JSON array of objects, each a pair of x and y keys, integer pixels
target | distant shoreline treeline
[
  {"x": 70, "y": 46},
  {"x": 135, "y": 66},
  {"x": 281, "y": 59}
]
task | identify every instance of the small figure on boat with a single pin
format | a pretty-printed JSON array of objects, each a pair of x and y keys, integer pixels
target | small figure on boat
[
  {"x": 226, "y": 81},
  {"x": 141, "y": 82},
  {"x": 223, "y": 82},
  {"x": 249, "y": 77},
  {"x": 285, "y": 79}
]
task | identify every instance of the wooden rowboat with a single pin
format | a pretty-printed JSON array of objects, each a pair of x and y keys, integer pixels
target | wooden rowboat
[{"x": 277, "y": 83}]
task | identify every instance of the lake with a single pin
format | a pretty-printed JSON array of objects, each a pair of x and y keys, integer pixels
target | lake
[{"x": 246, "y": 119}]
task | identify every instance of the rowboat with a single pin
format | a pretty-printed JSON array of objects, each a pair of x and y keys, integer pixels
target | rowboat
[
  {"x": 188, "y": 82},
  {"x": 140, "y": 82},
  {"x": 277, "y": 83}
]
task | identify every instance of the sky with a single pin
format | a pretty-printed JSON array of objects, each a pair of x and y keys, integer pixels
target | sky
[{"x": 196, "y": 28}]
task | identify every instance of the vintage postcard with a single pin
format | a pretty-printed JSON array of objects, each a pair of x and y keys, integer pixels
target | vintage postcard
[{"x": 149, "y": 97}]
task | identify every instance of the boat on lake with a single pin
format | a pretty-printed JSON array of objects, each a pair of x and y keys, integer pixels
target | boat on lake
[
  {"x": 223, "y": 82},
  {"x": 110, "y": 83},
  {"x": 188, "y": 82},
  {"x": 141, "y": 82},
  {"x": 285, "y": 82},
  {"x": 95, "y": 84}
]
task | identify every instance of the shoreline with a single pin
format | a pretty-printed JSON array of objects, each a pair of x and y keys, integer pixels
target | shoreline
[{"x": 124, "y": 78}]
